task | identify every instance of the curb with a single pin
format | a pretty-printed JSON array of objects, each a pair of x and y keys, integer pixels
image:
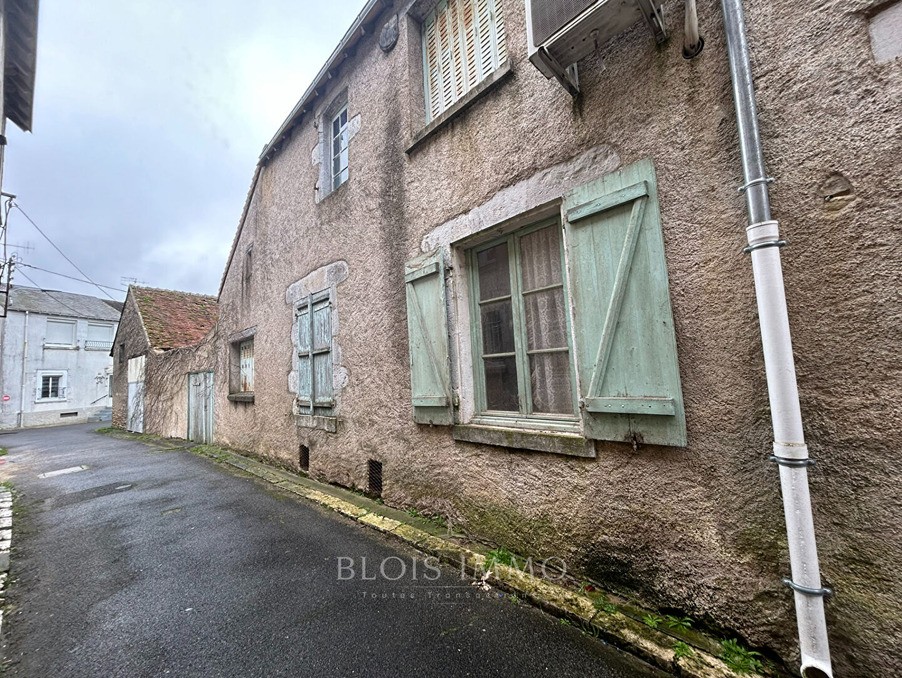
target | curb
[
  {"x": 6, "y": 537},
  {"x": 615, "y": 628}
]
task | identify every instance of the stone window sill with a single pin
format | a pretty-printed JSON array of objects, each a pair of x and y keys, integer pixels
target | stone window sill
[
  {"x": 247, "y": 397},
  {"x": 501, "y": 74},
  {"x": 319, "y": 422},
  {"x": 569, "y": 444}
]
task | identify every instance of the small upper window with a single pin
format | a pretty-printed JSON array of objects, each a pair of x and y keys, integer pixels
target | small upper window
[
  {"x": 60, "y": 333},
  {"x": 339, "y": 137},
  {"x": 100, "y": 337},
  {"x": 247, "y": 273},
  {"x": 463, "y": 43}
]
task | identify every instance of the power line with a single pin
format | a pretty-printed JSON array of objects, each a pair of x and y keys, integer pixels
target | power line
[
  {"x": 59, "y": 301},
  {"x": 70, "y": 277},
  {"x": 47, "y": 238}
]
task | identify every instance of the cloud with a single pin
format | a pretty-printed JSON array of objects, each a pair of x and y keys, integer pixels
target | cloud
[{"x": 149, "y": 118}]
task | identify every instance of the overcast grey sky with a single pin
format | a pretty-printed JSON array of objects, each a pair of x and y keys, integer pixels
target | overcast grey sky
[{"x": 149, "y": 118}]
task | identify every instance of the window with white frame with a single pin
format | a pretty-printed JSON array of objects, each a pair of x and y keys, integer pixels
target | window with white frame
[
  {"x": 60, "y": 333},
  {"x": 463, "y": 43},
  {"x": 51, "y": 385},
  {"x": 100, "y": 337},
  {"x": 314, "y": 349},
  {"x": 338, "y": 134}
]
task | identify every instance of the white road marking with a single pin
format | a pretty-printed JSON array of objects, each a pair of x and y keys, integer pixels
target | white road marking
[{"x": 63, "y": 471}]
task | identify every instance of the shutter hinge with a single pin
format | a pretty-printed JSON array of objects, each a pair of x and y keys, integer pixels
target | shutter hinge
[{"x": 455, "y": 400}]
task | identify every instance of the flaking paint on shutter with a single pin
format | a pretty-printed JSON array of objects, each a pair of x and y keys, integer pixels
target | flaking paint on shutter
[
  {"x": 623, "y": 324},
  {"x": 463, "y": 43},
  {"x": 427, "y": 326}
]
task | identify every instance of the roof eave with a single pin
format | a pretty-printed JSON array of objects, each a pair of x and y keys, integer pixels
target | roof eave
[{"x": 20, "y": 61}]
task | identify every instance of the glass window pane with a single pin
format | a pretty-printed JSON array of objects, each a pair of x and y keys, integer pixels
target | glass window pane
[
  {"x": 303, "y": 331},
  {"x": 497, "y": 328},
  {"x": 540, "y": 254},
  {"x": 550, "y": 378},
  {"x": 501, "y": 384},
  {"x": 336, "y": 127},
  {"x": 546, "y": 322},
  {"x": 494, "y": 272}
]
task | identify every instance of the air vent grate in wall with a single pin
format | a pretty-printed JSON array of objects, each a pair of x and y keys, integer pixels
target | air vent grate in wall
[{"x": 375, "y": 478}]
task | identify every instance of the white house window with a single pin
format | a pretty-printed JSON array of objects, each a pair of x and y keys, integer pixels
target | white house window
[
  {"x": 51, "y": 386},
  {"x": 463, "y": 43},
  {"x": 100, "y": 337},
  {"x": 246, "y": 366},
  {"x": 60, "y": 333},
  {"x": 339, "y": 148}
]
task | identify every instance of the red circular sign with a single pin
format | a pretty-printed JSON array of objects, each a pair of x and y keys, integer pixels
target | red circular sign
[{"x": 6, "y": 398}]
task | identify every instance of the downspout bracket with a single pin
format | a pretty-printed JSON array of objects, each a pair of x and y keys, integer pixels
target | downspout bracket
[
  {"x": 807, "y": 590},
  {"x": 755, "y": 182},
  {"x": 761, "y": 245},
  {"x": 784, "y": 461}
]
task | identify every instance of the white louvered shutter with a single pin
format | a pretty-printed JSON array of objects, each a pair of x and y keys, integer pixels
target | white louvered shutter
[{"x": 463, "y": 43}]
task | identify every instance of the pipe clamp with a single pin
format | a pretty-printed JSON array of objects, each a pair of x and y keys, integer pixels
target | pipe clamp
[
  {"x": 807, "y": 590},
  {"x": 754, "y": 182}
]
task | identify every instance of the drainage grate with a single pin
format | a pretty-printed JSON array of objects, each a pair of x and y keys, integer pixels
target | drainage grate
[
  {"x": 304, "y": 458},
  {"x": 375, "y": 478},
  {"x": 68, "y": 414}
]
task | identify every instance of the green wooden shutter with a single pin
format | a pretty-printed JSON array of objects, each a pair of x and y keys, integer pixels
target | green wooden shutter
[
  {"x": 623, "y": 324},
  {"x": 427, "y": 326}
]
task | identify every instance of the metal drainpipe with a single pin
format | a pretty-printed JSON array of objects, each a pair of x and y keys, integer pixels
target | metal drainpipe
[{"x": 790, "y": 451}]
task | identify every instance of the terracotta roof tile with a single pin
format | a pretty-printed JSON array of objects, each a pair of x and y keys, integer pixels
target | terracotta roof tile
[{"x": 175, "y": 319}]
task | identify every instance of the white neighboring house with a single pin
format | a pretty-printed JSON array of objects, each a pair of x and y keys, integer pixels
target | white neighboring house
[{"x": 55, "y": 363}]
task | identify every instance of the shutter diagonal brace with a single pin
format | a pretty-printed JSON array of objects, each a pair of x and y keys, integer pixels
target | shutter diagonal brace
[
  {"x": 434, "y": 401},
  {"x": 616, "y": 304}
]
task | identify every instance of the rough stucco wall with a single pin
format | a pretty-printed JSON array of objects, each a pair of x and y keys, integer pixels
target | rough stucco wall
[
  {"x": 166, "y": 386},
  {"x": 698, "y": 529},
  {"x": 131, "y": 333}
]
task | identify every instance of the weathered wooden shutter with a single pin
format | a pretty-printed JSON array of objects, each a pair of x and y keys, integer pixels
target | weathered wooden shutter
[
  {"x": 427, "y": 326},
  {"x": 463, "y": 42},
  {"x": 625, "y": 342},
  {"x": 314, "y": 347}
]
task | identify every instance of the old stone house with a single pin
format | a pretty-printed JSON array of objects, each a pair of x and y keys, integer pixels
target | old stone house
[
  {"x": 162, "y": 366},
  {"x": 55, "y": 366},
  {"x": 457, "y": 286}
]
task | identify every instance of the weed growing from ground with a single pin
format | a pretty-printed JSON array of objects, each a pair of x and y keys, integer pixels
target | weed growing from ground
[
  {"x": 681, "y": 649},
  {"x": 652, "y": 620},
  {"x": 739, "y": 658},
  {"x": 678, "y": 623},
  {"x": 499, "y": 556}
]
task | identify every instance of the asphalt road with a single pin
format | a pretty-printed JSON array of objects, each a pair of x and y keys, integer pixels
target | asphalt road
[{"x": 155, "y": 563}]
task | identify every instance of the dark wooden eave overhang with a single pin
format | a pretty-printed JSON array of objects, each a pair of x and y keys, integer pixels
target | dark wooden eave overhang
[{"x": 20, "y": 61}]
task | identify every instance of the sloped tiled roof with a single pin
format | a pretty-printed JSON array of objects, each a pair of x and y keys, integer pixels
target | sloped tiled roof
[
  {"x": 67, "y": 304},
  {"x": 174, "y": 319}
]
